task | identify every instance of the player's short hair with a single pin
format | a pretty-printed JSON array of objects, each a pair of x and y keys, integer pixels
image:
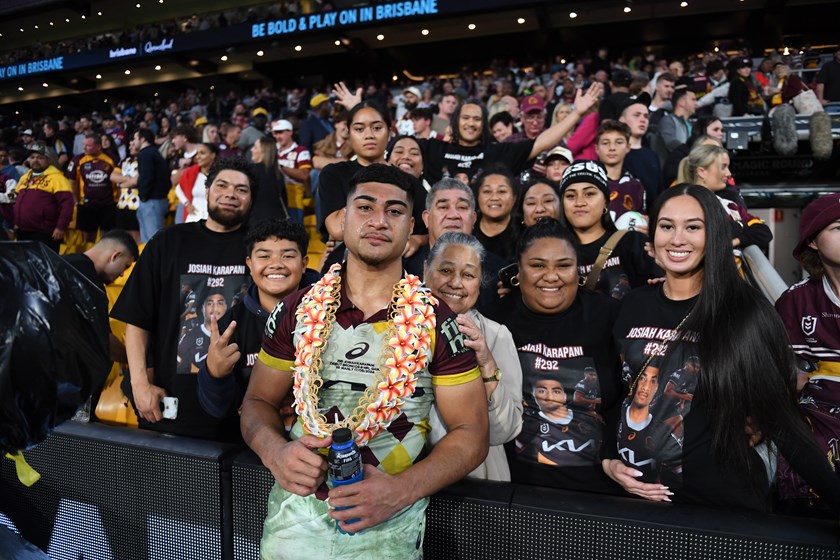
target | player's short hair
[{"x": 388, "y": 174}]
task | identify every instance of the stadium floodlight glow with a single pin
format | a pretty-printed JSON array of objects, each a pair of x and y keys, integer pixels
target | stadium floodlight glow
[
  {"x": 127, "y": 72},
  {"x": 20, "y": 88},
  {"x": 84, "y": 17},
  {"x": 67, "y": 20},
  {"x": 471, "y": 26},
  {"x": 99, "y": 76},
  {"x": 380, "y": 37},
  {"x": 683, "y": 4},
  {"x": 21, "y": 30},
  {"x": 573, "y": 15},
  {"x": 260, "y": 53},
  {"x": 45, "y": 84},
  {"x": 157, "y": 67},
  {"x": 36, "y": 27},
  {"x": 224, "y": 58},
  {"x": 337, "y": 43},
  {"x": 562, "y": 61},
  {"x": 51, "y": 23},
  {"x": 137, "y": 5},
  {"x": 99, "y": 13},
  {"x": 520, "y": 21},
  {"x": 424, "y": 32},
  {"x": 627, "y": 9},
  {"x": 298, "y": 48}
]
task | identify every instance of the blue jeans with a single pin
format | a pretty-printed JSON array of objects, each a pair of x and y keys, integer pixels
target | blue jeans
[{"x": 150, "y": 214}]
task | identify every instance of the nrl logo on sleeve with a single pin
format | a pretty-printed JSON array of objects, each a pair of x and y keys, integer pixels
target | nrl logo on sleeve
[
  {"x": 271, "y": 322},
  {"x": 809, "y": 325}
]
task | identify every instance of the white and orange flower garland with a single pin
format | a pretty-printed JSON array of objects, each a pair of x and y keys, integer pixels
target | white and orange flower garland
[{"x": 409, "y": 337}]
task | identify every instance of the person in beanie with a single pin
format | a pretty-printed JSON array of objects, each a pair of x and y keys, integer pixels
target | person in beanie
[
  {"x": 585, "y": 197},
  {"x": 44, "y": 204},
  {"x": 810, "y": 311}
]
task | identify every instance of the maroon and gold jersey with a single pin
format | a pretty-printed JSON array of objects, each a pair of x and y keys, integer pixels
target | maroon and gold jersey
[{"x": 93, "y": 175}]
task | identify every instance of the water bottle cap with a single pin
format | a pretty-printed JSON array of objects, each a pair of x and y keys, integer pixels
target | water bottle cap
[{"x": 342, "y": 435}]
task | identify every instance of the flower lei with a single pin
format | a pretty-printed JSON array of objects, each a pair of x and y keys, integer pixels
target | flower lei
[{"x": 409, "y": 337}]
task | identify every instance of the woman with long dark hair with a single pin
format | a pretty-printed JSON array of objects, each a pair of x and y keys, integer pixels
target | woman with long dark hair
[
  {"x": 496, "y": 198},
  {"x": 711, "y": 376},
  {"x": 369, "y": 126},
  {"x": 270, "y": 200}
]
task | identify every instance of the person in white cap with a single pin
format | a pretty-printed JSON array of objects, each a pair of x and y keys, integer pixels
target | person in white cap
[
  {"x": 411, "y": 97},
  {"x": 295, "y": 162}
]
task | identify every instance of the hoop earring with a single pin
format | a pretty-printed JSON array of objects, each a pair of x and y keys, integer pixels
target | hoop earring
[{"x": 606, "y": 210}]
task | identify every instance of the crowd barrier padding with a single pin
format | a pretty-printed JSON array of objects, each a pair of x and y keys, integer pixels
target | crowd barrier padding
[{"x": 109, "y": 492}]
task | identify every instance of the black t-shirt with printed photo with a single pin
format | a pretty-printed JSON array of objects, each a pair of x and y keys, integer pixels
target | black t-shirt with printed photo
[
  {"x": 447, "y": 157},
  {"x": 569, "y": 409},
  {"x": 672, "y": 444},
  {"x": 653, "y": 443},
  {"x": 628, "y": 266},
  {"x": 177, "y": 271}
]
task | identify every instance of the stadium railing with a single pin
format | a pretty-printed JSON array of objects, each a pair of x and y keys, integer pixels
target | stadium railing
[{"x": 109, "y": 492}]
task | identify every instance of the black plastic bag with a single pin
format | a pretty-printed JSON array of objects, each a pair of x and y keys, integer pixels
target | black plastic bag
[{"x": 55, "y": 342}]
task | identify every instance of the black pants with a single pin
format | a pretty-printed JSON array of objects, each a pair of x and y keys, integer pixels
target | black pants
[{"x": 44, "y": 238}]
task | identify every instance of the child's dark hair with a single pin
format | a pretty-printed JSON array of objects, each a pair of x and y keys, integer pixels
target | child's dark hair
[{"x": 279, "y": 228}]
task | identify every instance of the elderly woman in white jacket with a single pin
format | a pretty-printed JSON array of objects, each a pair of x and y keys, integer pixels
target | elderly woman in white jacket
[{"x": 453, "y": 273}]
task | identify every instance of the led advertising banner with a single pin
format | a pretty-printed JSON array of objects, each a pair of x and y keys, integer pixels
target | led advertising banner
[{"x": 356, "y": 16}]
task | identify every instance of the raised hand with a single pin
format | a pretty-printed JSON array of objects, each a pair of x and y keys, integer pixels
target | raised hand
[{"x": 344, "y": 97}]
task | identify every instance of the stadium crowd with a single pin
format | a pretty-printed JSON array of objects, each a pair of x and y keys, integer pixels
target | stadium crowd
[{"x": 578, "y": 230}]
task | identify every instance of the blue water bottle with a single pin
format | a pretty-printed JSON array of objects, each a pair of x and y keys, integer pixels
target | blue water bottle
[{"x": 345, "y": 462}]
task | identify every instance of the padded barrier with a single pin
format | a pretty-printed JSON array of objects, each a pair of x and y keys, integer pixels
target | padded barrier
[{"x": 109, "y": 492}]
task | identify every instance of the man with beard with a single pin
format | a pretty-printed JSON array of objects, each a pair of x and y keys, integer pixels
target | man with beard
[
  {"x": 204, "y": 258},
  {"x": 44, "y": 203},
  {"x": 411, "y": 97}
]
